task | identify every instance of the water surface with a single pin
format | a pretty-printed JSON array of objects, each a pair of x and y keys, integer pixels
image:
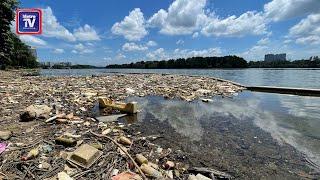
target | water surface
[{"x": 287, "y": 118}]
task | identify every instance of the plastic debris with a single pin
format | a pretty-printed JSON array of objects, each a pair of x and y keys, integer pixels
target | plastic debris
[{"x": 3, "y": 147}]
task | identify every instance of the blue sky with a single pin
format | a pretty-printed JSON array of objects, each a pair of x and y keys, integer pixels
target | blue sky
[{"x": 119, "y": 31}]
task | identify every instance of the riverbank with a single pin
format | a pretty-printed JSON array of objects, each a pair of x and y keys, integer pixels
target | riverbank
[{"x": 77, "y": 96}]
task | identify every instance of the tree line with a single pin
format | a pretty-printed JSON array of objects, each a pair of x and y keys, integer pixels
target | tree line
[
  {"x": 13, "y": 52},
  {"x": 193, "y": 62},
  {"x": 218, "y": 62}
]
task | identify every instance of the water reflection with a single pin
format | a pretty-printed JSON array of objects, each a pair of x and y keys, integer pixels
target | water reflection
[{"x": 293, "y": 122}]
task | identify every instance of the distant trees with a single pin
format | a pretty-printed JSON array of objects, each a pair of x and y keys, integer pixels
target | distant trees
[
  {"x": 193, "y": 62},
  {"x": 13, "y": 52},
  {"x": 313, "y": 62},
  {"x": 219, "y": 62}
]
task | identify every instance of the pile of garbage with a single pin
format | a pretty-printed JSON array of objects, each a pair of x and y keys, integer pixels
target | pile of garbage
[{"x": 49, "y": 130}]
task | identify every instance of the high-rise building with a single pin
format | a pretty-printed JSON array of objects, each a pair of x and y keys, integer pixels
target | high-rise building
[{"x": 275, "y": 57}]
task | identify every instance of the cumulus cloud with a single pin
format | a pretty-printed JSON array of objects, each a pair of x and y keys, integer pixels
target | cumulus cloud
[
  {"x": 161, "y": 54},
  {"x": 286, "y": 9},
  {"x": 151, "y": 43},
  {"x": 32, "y": 40},
  {"x": 185, "y": 53},
  {"x": 157, "y": 54},
  {"x": 307, "y": 31},
  {"x": 188, "y": 16},
  {"x": 182, "y": 17},
  {"x": 52, "y": 28},
  {"x": 132, "y": 27},
  {"x": 81, "y": 49},
  {"x": 249, "y": 23},
  {"x": 86, "y": 33},
  {"x": 58, "y": 51},
  {"x": 133, "y": 47}
]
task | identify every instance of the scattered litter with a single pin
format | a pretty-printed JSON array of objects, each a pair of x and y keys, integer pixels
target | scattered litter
[
  {"x": 85, "y": 156},
  {"x": 125, "y": 141},
  {"x": 64, "y": 176},
  {"x": 5, "y": 135},
  {"x": 68, "y": 142},
  {"x": 130, "y": 108},
  {"x": 3, "y": 147},
  {"x": 35, "y": 111},
  {"x": 127, "y": 176},
  {"x": 110, "y": 118}
]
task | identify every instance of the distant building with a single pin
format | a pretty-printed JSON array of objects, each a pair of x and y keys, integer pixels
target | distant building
[{"x": 275, "y": 57}]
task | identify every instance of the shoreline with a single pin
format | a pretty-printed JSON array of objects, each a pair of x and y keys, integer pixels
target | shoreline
[{"x": 78, "y": 95}]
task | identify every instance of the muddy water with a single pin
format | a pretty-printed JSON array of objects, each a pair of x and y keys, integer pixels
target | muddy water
[{"x": 244, "y": 135}]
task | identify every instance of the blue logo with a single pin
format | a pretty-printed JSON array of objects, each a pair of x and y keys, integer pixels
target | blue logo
[{"x": 29, "y": 21}]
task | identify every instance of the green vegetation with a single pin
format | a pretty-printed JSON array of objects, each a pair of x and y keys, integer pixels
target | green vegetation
[
  {"x": 194, "y": 62},
  {"x": 313, "y": 62},
  {"x": 13, "y": 52},
  {"x": 76, "y": 66},
  {"x": 219, "y": 62}
]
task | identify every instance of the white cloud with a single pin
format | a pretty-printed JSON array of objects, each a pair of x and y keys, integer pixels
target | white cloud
[
  {"x": 263, "y": 41},
  {"x": 133, "y": 47},
  {"x": 286, "y": 9},
  {"x": 86, "y": 33},
  {"x": 160, "y": 54},
  {"x": 58, "y": 51},
  {"x": 307, "y": 31},
  {"x": 120, "y": 56},
  {"x": 132, "y": 27},
  {"x": 185, "y": 53},
  {"x": 180, "y": 42},
  {"x": 52, "y": 28},
  {"x": 151, "y": 43},
  {"x": 182, "y": 17},
  {"x": 32, "y": 40},
  {"x": 157, "y": 54},
  {"x": 249, "y": 23},
  {"x": 81, "y": 49},
  {"x": 187, "y": 16},
  {"x": 195, "y": 35}
]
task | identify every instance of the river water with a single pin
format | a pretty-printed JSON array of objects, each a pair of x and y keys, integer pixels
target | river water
[{"x": 288, "y": 118}]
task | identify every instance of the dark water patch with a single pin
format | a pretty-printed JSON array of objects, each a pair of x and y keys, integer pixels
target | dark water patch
[{"x": 231, "y": 135}]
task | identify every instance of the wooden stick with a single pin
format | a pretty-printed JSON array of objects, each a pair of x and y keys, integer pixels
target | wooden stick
[{"x": 124, "y": 150}]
